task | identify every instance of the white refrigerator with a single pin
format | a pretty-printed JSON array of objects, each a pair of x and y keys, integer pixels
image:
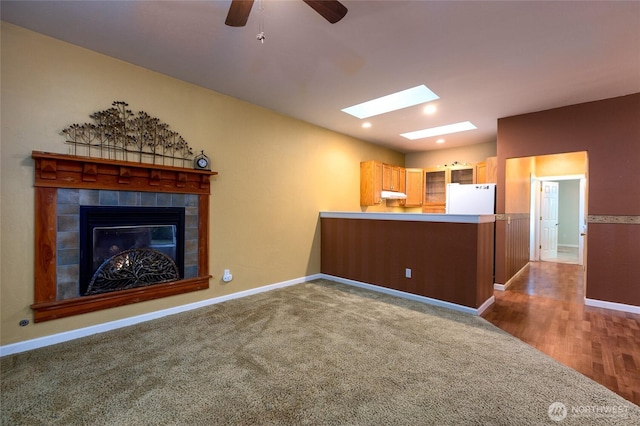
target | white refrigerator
[{"x": 471, "y": 199}]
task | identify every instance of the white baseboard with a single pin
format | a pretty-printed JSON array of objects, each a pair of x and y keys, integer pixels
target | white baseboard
[
  {"x": 503, "y": 287},
  {"x": 53, "y": 339},
  {"x": 612, "y": 305},
  {"x": 411, "y": 296},
  {"x": 487, "y": 303}
]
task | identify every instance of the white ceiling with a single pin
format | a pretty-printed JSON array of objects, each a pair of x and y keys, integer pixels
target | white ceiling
[{"x": 486, "y": 60}]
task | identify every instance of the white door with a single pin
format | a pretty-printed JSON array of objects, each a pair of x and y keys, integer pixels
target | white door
[{"x": 549, "y": 220}]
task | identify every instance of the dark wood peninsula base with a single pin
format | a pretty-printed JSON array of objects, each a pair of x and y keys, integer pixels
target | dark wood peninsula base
[{"x": 449, "y": 257}]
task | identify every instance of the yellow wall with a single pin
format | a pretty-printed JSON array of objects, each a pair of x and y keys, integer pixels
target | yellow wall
[
  {"x": 275, "y": 173},
  {"x": 518, "y": 184},
  {"x": 519, "y": 170},
  {"x": 570, "y": 163}
]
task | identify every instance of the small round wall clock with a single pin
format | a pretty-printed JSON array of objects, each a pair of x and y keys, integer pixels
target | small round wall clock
[{"x": 201, "y": 162}]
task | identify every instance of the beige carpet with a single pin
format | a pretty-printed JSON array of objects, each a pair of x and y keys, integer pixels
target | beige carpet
[{"x": 318, "y": 353}]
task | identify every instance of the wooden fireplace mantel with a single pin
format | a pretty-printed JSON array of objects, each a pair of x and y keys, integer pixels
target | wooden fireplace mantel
[
  {"x": 68, "y": 171},
  {"x": 53, "y": 171}
]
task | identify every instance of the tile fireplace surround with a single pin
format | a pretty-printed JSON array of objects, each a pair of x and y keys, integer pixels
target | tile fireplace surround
[
  {"x": 68, "y": 222},
  {"x": 64, "y": 182}
]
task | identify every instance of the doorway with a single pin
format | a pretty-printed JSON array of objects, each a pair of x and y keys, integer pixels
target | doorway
[{"x": 558, "y": 225}]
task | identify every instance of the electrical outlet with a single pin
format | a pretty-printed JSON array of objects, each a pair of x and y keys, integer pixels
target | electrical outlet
[{"x": 407, "y": 273}]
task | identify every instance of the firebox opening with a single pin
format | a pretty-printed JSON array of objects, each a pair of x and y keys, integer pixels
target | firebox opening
[{"x": 108, "y": 231}]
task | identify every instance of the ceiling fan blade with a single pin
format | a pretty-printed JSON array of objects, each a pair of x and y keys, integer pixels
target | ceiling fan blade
[
  {"x": 331, "y": 10},
  {"x": 238, "y": 13}
]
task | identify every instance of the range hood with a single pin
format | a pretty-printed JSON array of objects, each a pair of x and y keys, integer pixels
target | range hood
[{"x": 392, "y": 195}]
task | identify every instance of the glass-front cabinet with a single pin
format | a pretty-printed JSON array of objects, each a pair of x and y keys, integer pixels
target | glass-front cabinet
[
  {"x": 462, "y": 174},
  {"x": 435, "y": 184}
]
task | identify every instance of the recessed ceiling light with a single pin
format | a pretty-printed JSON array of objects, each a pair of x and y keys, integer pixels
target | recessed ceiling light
[
  {"x": 395, "y": 101},
  {"x": 430, "y": 109},
  {"x": 366, "y": 125},
  {"x": 440, "y": 141},
  {"x": 441, "y": 130}
]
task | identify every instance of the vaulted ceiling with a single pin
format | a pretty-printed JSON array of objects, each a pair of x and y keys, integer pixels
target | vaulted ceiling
[{"x": 485, "y": 60}]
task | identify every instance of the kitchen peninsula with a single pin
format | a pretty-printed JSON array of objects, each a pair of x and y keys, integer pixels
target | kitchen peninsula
[{"x": 443, "y": 259}]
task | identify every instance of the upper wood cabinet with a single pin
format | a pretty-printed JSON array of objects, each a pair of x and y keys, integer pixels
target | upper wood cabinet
[
  {"x": 370, "y": 183},
  {"x": 487, "y": 171},
  {"x": 387, "y": 177},
  {"x": 435, "y": 190},
  {"x": 402, "y": 180},
  {"x": 392, "y": 178},
  {"x": 376, "y": 177},
  {"x": 492, "y": 170},
  {"x": 399, "y": 184},
  {"x": 481, "y": 172},
  {"x": 462, "y": 174},
  {"x": 414, "y": 185}
]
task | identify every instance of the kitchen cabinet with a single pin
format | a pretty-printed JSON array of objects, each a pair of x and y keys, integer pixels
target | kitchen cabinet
[
  {"x": 414, "y": 185},
  {"x": 435, "y": 187},
  {"x": 375, "y": 177},
  {"x": 486, "y": 171},
  {"x": 370, "y": 183},
  {"x": 392, "y": 178},
  {"x": 403, "y": 180},
  {"x": 435, "y": 184},
  {"x": 481, "y": 172},
  {"x": 465, "y": 174},
  {"x": 399, "y": 184},
  {"x": 426, "y": 188},
  {"x": 492, "y": 170}
]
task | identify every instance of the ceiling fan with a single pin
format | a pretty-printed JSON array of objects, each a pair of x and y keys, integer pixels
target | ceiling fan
[{"x": 331, "y": 10}]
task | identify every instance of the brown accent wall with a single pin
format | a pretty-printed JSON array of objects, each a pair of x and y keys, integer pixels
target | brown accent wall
[
  {"x": 449, "y": 261},
  {"x": 609, "y": 130},
  {"x": 614, "y": 275}
]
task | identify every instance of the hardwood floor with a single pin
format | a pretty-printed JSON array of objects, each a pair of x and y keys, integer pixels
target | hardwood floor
[{"x": 545, "y": 308}]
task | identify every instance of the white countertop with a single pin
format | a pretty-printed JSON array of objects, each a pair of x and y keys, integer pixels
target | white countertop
[{"x": 412, "y": 217}]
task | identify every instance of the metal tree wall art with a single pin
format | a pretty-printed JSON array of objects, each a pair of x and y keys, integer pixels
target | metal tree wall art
[{"x": 119, "y": 134}]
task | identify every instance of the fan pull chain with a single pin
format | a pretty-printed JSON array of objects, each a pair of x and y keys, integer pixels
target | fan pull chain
[{"x": 261, "y": 35}]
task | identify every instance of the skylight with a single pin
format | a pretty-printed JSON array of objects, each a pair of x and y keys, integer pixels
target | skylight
[
  {"x": 395, "y": 101},
  {"x": 441, "y": 130}
]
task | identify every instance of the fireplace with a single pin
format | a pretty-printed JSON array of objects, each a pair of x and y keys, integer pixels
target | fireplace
[
  {"x": 177, "y": 245},
  {"x": 129, "y": 247}
]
